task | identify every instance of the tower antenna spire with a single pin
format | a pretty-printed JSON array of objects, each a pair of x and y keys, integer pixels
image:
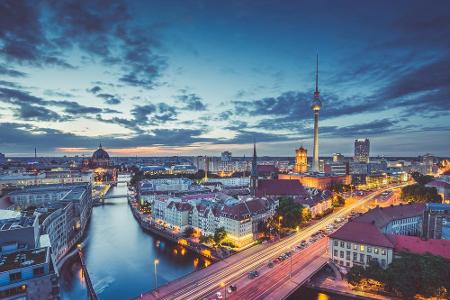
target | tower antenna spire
[{"x": 317, "y": 73}]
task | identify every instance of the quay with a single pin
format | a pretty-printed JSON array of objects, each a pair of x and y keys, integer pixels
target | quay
[{"x": 151, "y": 227}]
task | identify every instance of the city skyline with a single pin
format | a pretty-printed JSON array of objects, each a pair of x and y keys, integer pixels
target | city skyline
[{"x": 195, "y": 78}]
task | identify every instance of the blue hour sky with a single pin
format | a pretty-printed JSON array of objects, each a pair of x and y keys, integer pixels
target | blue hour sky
[{"x": 199, "y": 77}]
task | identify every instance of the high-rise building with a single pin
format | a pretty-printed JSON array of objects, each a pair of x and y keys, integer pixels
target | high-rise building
[
  {"x": 338, "y": 157},
  {"x": 362, "y": 148},
  {"x": 301, "y": 160},
  {"x": 436, "y": 221},
  {"x": 316, "y": 106},
  {"x": 2, "y": 158},
  {"x": 226, "y": 156}
]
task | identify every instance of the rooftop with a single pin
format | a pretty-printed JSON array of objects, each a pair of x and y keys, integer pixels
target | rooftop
[
  {"x": 416, "y": 245},
  {"x": 23, "y": 259},
  {"x": 288, "y": 187},
  {"x": 362, "y": 233},
  {"x": 381, "y": 216}
]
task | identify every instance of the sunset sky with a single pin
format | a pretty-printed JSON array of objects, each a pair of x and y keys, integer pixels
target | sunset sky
[{"x": 199, "y": 77}]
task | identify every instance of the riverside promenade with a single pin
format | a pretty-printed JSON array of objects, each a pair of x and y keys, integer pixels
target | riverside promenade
[{"x": 147, "y": 224}]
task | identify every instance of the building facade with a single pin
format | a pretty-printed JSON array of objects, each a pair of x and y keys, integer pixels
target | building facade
[
  {"x": 301, "y": 160},
  {"x": 362, "y": 150}
]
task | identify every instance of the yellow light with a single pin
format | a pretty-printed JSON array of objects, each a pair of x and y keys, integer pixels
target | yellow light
[
  {"x": 156, "y": 261},
  {"x": 182, "y": 242},
  {"x": 222, "y": 284}
]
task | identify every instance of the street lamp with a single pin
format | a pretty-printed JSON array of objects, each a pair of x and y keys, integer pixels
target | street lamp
[
  {"x": 155, "y": 262},
  {"x": 224, "y": 286},
  {"x": 279, "y": 226}
]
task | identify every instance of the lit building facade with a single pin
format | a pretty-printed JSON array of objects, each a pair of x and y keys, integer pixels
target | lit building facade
[
  {"x": 301, "y": 160},
  {"x": 318, "y": 181},
  {"x": 362, "y": 150}
]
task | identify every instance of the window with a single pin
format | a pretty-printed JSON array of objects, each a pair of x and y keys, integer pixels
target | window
[
  {"x": 369, "y": 258},
  {"x": 342, "y": 244},
  {"x": 383, "y": 251},
  {"x": 355, "y": 256},
  {"x": 38, "y": 271},
  {"x": 383, "y": 263},
  {"x": 15, "y": 276},
  {"x": 349, "y": 245},
  {"x": 342, "y": 254},
  {"x": 369, "y": 249},
  {"x": 375, "y": 250},
  {"x": 335, "y": 243},
  {"x": 355, "y": 247},
  {"x": 361, "y": 248},
  {"x": 347, "y": 264},
  {"x": 335, "y": 253},
  {"x": 347, "y": 255},
  {"x": 361, "y": 258}
]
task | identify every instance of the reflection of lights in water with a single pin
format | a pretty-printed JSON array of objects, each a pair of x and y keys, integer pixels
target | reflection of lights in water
[
  {"x": 183, "y": 251},
  {"x": 322, "y": 296},
  {"x": 81, "y": 276},
  {"x": 157, "y": 243},
  {"x": 207, "y": 263},
  {"x": 196, "y": 260},
  {"x": 175, "y": 251}
]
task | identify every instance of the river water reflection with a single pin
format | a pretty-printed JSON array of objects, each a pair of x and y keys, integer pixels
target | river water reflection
[{"x": 120, "y": 256}]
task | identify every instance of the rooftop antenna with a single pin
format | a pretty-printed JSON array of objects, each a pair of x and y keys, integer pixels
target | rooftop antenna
[{"x": 317, "y": 73}]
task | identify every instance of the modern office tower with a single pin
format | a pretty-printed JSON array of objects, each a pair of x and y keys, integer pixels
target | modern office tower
[
  {"x": 436, "y": 221},
  {"x": 226, "y": 156},
  {"x": 338, "y": 157},
  {"x": 362, "y": 148},
  {"x": 316, "y": 106},
  {"x": 301, "y": 160}
]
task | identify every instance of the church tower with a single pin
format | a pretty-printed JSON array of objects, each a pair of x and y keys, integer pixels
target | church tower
[
  {"x": 254, "y": 173},
  {"x": 301, "y": 160}
]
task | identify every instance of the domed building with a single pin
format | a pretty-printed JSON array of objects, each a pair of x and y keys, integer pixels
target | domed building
[{"x": 100, "y": 158}]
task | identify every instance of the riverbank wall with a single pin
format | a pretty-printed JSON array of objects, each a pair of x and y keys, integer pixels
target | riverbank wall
[{"x": 149, "y": 226}]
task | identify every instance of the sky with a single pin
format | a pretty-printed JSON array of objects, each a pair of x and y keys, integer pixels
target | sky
[{"x": 163, "y": 78}]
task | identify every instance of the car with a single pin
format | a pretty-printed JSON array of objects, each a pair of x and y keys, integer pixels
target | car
[
  {"x": 219, "y": 295},
  {"x": 256, "y": 273},
  {"x": 275, "y": 261},
  {"x": 270, "y": 265},
  {"x": 250, "y": 275}
]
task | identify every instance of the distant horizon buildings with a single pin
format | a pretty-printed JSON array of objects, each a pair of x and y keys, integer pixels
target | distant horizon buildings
[{"x": 362, "y": 151}]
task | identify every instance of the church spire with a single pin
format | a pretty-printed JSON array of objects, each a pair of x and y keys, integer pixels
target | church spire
[{"x": 254, "y": 174}]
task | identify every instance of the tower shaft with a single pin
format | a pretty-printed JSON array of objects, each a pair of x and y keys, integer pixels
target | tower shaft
[{"x": 316, "y": 142}]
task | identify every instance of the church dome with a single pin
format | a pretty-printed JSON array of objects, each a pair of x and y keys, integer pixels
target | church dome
[{"x": 100, "y": 153}]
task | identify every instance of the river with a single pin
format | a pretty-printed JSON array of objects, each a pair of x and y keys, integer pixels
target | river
[{"x": 120, "y": 256}]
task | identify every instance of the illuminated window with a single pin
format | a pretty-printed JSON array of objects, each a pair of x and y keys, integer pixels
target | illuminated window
[
  {"x": 361, "y": 248},
  {"x": 369, "y": 249},
  {"x": 383, "y": 252},
  {"x": 355, "y": 247},
  {"x": 375, "y": 250}
]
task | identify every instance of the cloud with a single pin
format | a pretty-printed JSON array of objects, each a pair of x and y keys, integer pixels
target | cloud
[
  {"x": 191, "y": 101},
  {"x": 109, "y": 99},
  {"x": 24, "y": 104},
  {"x": 94, "y": 90},
  {"x": 11, "y": 72},
  {"x": 103, "y": 31},
  {"x": 15, "y": 135}
]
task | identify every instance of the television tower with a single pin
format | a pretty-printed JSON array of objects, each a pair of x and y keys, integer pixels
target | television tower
[{"x": 316, "y": 106}]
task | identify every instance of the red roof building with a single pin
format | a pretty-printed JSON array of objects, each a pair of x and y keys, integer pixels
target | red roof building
[
  {"x": 280, "y": 188},
  {"x": 416, "y": 245}
]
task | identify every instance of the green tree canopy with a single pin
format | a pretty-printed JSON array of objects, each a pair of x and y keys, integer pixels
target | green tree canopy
[
  {"x": 417, "y": 193},
  {"x": 219, "y": 235}
]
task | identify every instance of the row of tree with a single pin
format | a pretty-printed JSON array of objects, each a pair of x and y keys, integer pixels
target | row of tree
[
  {"x": 417, "y": 193},
  {"x": 406, "y": 276}
]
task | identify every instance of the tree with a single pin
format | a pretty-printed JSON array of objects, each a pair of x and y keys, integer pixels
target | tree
[
  {"x": 206, "y": 239},
  {"x": 188, "y": 231},
  {"x": 355, "y": 274},
  {"x": 219, "y": 235},
  {"x": 306, "y": 215},
  {"x": 338, "y": 201},
  {"x": 417, "y": 193},
  {"x": 290, "y": 212},
  {"x": 421, "y": 179}
]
